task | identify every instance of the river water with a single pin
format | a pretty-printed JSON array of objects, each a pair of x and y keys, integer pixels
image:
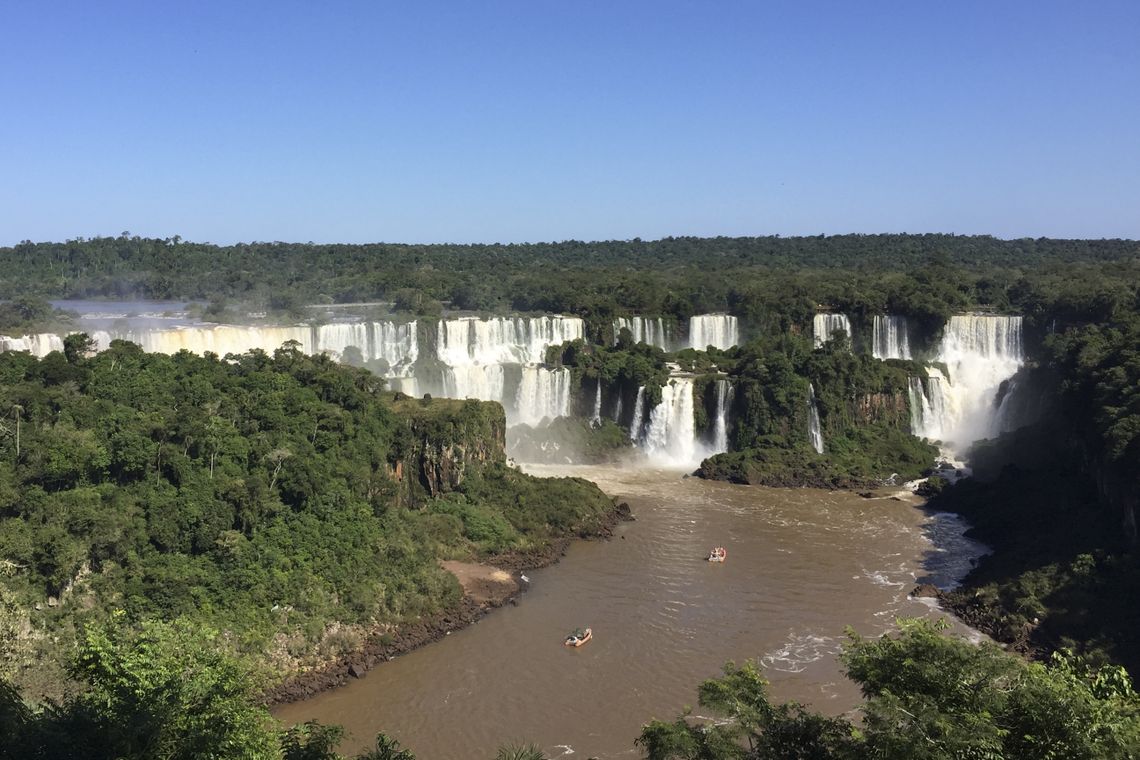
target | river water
[{"x": 802, "y": 565}]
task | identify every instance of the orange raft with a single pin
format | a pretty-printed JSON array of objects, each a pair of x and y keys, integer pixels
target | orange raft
[
  {"x": 718, "y": 554},
  {"x": 579, "y": 637}
]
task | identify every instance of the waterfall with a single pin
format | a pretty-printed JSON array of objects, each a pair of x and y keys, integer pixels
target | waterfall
[
  {"x": 815, "y": 434},
  {"x": 724, "y": 394},
  {"x": 979, "y": 352},
  {"x": 649, "y": 330},
  {"x": 543, "y": 395},
  {"x": 483, "y": 382},
  {"x": 503, "y": 340},
  {"x": 617, "y": 410},
  {"x": 890, "y": 338},
  {"x": 596, "y": 418},
  {"x": 638, "y": 407},
  {"x": 825, "y": 324},
  {"x": 38, "y": 344},
  {"x": 717, "y": 330},
  {"x": 669, "y": 438}
]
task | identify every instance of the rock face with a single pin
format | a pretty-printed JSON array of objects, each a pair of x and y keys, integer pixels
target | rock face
[
  {"x": 893, "y": 408},
  {"x": 442, "y": 440}
]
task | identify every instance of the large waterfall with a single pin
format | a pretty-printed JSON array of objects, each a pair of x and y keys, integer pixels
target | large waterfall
[
  {"x": 815, "y": 433},
  {"x": 718, "y": 330},
  {"x": 890, "y": 338},
  {"x": 649, "y": 330},
  {"x": 959, "y": 407},
  {"x": 38, "y": 344},
  {"x": 503, "y": 340},
  {"x": 669, "y": 437},
  {"x": 825, "y": 324},
  {"x": 543, "y": 394},
  {"x": 476, "y": 354},
  {"x": 724, "y": 393}
]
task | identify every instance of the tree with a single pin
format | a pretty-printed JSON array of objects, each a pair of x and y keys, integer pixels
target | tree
[{"x": 169, "y": 691}]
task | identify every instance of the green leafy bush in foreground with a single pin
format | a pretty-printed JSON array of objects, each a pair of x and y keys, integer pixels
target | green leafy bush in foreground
[{"x": 929, "y": 697}]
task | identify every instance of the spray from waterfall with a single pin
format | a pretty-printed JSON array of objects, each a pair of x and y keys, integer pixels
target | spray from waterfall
[
  {"x": 960, "y": 406},
  {"x": 669, "y": 437}
]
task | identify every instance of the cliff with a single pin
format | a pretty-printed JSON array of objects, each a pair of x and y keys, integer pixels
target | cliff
[{"x": 442, "y": 441}]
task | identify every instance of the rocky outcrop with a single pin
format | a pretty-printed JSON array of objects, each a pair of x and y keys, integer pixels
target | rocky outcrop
[
  {"x": 442, "y": 440},
  {"x": 891, "y": 408}
]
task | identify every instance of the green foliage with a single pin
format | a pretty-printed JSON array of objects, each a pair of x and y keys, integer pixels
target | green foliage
[
  {"x": 156, "y": 691},
  {"x": 929, "y": 697},
  {"x": 255, "y": 495},
  {"x": 386, "y": 748},
  {"x": 520, "y": 752}
]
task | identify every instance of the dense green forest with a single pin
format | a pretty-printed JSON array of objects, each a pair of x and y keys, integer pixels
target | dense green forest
[{"x": 284, "y": 499}]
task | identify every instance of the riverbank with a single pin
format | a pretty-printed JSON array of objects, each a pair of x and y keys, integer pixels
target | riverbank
[{"x": 485, "y": 588}]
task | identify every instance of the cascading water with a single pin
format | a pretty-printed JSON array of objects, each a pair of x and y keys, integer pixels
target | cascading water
[
  {"x": 475, "y": 353},
  {"x": 979, "y": 353},
  {"x": 718, "y": 330},
  {"x": 724, "y": 394},
  {"x": 669, "y": 438},
  {"x": 823, "y": 325},
  {"x": 890, "y": 338},
  {"x": 596, "y": 418},
  {"x": 649, "y": 330},
  {"x": 543, "y": 395},
  {"x": 638, "y": 412},
  {"x": 38, "y": 344},
  {"x": 503, "y": 340},
  {"x": 814, "y": 432}
]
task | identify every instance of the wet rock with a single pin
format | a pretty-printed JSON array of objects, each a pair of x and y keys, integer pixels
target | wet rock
[
  {"x": 624, "y": 512},
  {"x": 356, "y": 670},
  {"x": 927, "y": 590}
]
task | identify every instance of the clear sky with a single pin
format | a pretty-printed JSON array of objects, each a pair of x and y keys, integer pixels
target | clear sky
[{"x": 497, "y": 120}]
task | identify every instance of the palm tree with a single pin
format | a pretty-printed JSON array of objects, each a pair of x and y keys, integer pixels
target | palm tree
[{"x": 520, "y": 752}]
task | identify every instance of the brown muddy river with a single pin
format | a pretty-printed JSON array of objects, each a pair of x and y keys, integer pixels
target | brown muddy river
[{"x": 802, "y": 564}]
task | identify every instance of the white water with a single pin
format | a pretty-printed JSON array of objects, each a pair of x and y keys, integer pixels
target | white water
[
  {"x": 669, "y": 438},
  {"x": 638, "y": 412},
  {"x": 815, "y": 433},
  {"x": 825, "y": 324},
  {"x": 503, "y": 340},
  {"x": 718, "y": 330},
  {"x": 958, "y": 408},
  {"x": 890, "y": 338},
  {"x": 724, "y": 394},
  {"x": 649, "y": 330},
  {"x": 596, "y": 418},
  {"x": 543, "y": 395},
  {"x": 38, "y": 344}
]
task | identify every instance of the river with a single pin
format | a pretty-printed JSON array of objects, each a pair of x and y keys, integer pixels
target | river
[{"x": 802, "y": 564}]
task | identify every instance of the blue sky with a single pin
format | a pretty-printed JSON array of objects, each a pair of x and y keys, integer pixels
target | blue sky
[{"x": 527, "y": 121}]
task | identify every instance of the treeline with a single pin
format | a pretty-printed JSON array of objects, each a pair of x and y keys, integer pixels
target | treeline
[
  {"x": 772, "y": 282},
  {"x": 284, "y": 499}
]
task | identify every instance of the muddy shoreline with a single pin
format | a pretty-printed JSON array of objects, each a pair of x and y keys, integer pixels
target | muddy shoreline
[{"x": 380, "y": 647}]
